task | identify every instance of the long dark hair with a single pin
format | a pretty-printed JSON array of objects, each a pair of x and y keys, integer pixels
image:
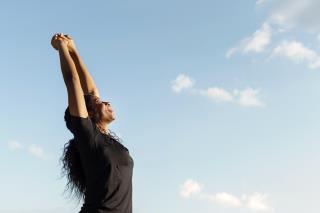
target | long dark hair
[
  {"x": 70, "y": 159},
  {"x": 72, "y": 169}
]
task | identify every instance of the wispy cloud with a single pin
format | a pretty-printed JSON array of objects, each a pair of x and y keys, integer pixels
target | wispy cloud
[
  {"x": 14, "y": 145},
  {"x": 285, "y": 17},
  {"x": 260, "y": 2},
  {"x": 255, "y": 201},
  {"x": 297, "y": 52},
  {"x": 256, "y": 43},
  {"x": 217, "y": 94},
  {"x": 33, "y": 149},
  {"x": 36, "y": 151},
  {"x": 295, "y": 14},
  {"x": 247, "y": 97},
  {"x": 189, "y": 188},
  {"x": 224, "y": 199},
  {"x": 181, "y": 82}
]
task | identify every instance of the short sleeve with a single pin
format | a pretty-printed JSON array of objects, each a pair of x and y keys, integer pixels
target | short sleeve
[{"x": 82, "y": 128}]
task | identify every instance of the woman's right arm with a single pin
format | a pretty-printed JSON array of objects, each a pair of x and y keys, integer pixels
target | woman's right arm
[{"x": 77, "y": 106}]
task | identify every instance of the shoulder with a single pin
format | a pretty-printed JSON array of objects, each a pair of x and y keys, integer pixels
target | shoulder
[{"x": 79, "y": 125}]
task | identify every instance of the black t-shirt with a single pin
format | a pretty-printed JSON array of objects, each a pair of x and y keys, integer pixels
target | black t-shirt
[{"x": 107, "y": 165}]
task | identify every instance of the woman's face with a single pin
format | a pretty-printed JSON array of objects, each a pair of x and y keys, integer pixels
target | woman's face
[{"x": 106, "y": 112}]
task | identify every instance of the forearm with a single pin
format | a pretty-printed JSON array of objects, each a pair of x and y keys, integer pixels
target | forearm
[
  {"x": 67, "y": 65},
  {"x": 87, "y": 82}
]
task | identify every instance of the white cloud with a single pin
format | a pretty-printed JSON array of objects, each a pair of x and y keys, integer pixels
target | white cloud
[
  {"x": 256, "y": 43},
  {"x": 285, "y": 17},
  {"x": 36, "y": 150},
  {"x": 296, "y": 14},
  {"x": 217, "y": 94},
  {"x": 297, "y": 52},
  {"x": 248, "y": 98},
  {"x": 259, "y": 2},
  {"x": 226, "y": 199},
  {"x": 231, "y": 51},
  {"x": 255, "y": 202},
  {"x": 190, "y": 187},
  {"x": 14, "y": 145},
  {"x": 182, "y": 82},
  {"x": 33, "y": 149},
  {"x": 260, "y": 39}
]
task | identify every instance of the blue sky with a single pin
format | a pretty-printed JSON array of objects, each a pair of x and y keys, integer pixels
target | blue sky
[{"x": 217, "y": 101}]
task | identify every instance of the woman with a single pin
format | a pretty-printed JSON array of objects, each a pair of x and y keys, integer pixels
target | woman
[{"x": 98, "y": 167}]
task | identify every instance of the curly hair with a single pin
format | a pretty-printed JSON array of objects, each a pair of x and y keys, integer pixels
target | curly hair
[
  {"x": 72, "y": 169},
  {"x": 70, "y": 159}
]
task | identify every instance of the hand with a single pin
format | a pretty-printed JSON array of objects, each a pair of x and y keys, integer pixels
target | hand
[
  {"x": 71, "y": 45},
  {"x": 57, "y": 40}
]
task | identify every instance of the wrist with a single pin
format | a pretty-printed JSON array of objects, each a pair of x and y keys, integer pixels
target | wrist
[
  {"x": 73, "y": 51},
  {"x": 75, "y": 54},
  {"x": 62, "y": 46}
]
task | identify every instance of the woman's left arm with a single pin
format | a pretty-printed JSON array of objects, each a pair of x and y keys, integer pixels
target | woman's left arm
[{"x": 87, "y": 83}]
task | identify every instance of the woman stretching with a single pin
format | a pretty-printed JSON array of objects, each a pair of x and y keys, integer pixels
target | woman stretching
[{"x": 98, "y": 166}]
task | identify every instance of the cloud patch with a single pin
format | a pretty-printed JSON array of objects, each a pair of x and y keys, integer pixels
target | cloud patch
[
  {"x": 14, "y": 145},
  {"x": 189, "y": 188},
  {"x": 260, "y": 2},
  {"x": 36, "y": 151},
  {"x": 33, "y": 149},
  {"x": 295, "y": 14},
  {"x": 248, "y": 97},
  {"x": 256, "y": 43},
  {"x": 182, "y": 82},
  {"x": 255, "y": 201},
  {"x": 286, "y": 18},
  {"x": 297, "y": 52}
]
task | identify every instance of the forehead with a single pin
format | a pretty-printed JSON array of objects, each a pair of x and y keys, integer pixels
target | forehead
[{"x": 97, "y": 99}]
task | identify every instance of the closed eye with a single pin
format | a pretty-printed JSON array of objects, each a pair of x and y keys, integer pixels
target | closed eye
[{"x": 106, "y": 102}]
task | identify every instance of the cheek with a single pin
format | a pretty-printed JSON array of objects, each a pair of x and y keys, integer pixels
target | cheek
[
  {"x": 104, "y": 110},
  {"x": 101, "y": 111}
]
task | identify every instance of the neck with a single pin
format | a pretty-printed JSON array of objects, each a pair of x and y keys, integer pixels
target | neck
[{"x": 103, "y": 128}]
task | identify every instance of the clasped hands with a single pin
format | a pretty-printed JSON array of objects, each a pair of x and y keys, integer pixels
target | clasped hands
[{"x": 59, "y": 39}]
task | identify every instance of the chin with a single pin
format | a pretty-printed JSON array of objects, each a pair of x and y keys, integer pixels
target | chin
[{"x": 112, "y": 118}]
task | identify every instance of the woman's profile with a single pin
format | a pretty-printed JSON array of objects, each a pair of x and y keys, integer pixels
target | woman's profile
[{"x": 98, "y": 166}]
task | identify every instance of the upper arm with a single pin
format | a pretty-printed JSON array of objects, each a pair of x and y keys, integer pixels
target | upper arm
[
  {"x": 82, "y": 128},
  {"x": 76, "y": 101},
  {"x": 95, "y": 92}
]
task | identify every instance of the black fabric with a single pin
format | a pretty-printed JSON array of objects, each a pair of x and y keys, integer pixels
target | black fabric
[{"x": 107, "y": 165}]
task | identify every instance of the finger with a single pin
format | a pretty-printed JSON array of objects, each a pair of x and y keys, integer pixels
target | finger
[
  {"x": 64, "y": 38},
  {"x": 69, "y": 37}
]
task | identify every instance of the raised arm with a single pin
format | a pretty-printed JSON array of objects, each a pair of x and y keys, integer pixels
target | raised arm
[
  {"x": 87, "y": 83},
  {"x": 76, "y": 100}
]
